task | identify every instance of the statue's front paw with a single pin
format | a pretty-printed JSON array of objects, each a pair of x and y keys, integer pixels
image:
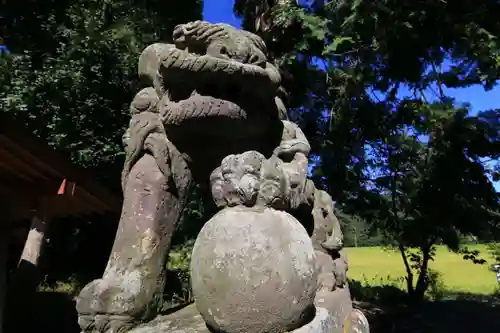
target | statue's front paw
[
  {"x": 86, "y": 300},
  {"x": 94, "y": 323},
  {"x": 105, "y": 323},
  {"x": 107, "y": 296},
  {"x": 100, "y": 308}
]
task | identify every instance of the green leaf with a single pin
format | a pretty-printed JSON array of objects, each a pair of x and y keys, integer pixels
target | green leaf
[{"x": 337, "y": 42}]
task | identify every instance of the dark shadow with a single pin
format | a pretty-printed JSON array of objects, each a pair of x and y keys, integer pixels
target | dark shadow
[
  {"x": 388, "y": 310},
  {"x": 31, "y": 311},
  {"x": 382, "y": 295},
  {"x": 28, "y": 310},
  {"x": 463, "y": 313},
  {"x": 42, "y": 312},
  {"x": 174, "y": 293},
  {"x": 79, "y": 249},
  {"x": 24, "y": 279}
]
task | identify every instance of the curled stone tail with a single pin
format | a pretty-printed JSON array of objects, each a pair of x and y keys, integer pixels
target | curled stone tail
[{"x": 145, "y": 133}]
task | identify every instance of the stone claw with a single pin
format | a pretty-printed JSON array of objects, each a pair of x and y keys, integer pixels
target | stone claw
[
  {"x": 100, "y": 308},
  {"x": 333, "y": 244}
]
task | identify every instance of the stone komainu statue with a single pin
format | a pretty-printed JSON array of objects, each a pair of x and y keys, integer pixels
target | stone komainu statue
[{"x": 211, "y": 114}]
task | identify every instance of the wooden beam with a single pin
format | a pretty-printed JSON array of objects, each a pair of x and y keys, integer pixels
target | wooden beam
[
  {"x": 63, "y": 206},
  {"x": 8, "y": 168},
  {"x": 20, "y": 212},
  {"x": 58, "y": 200},
  {"x": 53, "y": 206},
  {"x": 82, "y": 193},
  {"x": 21, "y": 165},
  {"x": 23, "y": 202},
  {"x": 26, "y": 143},
  {"x": 20, "y": 203},
  {"x": 66, "y": 194},
  {"x": 28, "y": 188},
  {"x": 9, "y": 143},
  {"x": 8, "y": 179},
  {"x": 79, "y": 199},
  {"x": 67, "y": 188}
]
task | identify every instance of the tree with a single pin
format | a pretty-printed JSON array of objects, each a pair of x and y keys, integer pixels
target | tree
[
  {"x": 73, "y": 70},
  {"x": 358, "y": 232},
  {"x": 353, "y": 53},
  {"x": 257, "y": 14},
  {"x": 70, "y": 76},
  {"x": 429, "y": 191},
  {"x": 368, "y": 89}
]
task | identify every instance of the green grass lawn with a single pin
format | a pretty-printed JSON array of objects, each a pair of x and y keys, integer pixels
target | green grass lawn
[{"x": 378, "y": 266}]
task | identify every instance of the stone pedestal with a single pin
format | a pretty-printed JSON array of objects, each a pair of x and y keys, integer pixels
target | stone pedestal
[{"x": 189, "y": 320}]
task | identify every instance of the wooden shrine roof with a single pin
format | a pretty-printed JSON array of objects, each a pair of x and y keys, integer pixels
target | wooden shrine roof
[{"x": 35, "y": 177}]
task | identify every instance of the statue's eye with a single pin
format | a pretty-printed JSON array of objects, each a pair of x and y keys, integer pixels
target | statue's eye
[
  {"x": 223, "y": 50},
  {"x": 256, "y": 60}
]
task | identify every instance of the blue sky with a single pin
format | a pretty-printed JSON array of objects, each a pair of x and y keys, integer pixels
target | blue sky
[
  {"x": 221, "y": 11},
  {"x": 216, "y": 11}
]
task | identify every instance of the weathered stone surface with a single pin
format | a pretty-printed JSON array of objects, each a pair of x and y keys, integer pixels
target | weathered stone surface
[
  {"x": 358, "y": 323},
  {"x": 293, "y": 141},
  {"x": 323, "y": 322},
  {"x": 185, "y": 320},
  {"x": 250, "y": 179},
  {"x": 134, "y": 276},
  {"x": 213, "y": 111},
  {"x": 332, "y": 270},
  {"x": 198, "y": 115},
  {"x": 326, "y": 275},
  {"x": 253, "y": 270},
  {"x": 189, "y": 320},
  {"x": 338, "y": 303},
  {"x": 327, "y": 233},
  {"x": 237, "y": 180}
]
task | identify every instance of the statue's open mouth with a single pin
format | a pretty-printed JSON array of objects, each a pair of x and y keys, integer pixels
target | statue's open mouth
[
  {"x": 218, "y": 77},
  {"x": 208, "y": 86}
]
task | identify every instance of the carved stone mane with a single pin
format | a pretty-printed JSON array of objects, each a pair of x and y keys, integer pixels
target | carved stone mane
[{"x": 212, "y": 113}]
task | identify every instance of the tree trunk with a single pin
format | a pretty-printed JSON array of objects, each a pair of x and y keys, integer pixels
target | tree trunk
[
  {"x": 423, "y": 279},
  {"x": 409, "y": 273}
]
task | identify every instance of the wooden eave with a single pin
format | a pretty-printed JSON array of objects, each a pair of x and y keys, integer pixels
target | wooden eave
[{"x": 35, "y": 177}]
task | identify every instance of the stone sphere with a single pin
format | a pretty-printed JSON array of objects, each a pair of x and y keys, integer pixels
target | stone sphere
[{"x": 253, "y": 270}]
